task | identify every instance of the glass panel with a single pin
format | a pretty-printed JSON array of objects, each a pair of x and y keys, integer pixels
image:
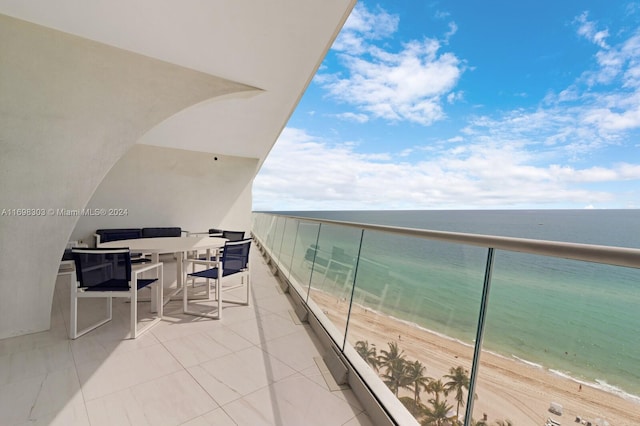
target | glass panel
[
  {"x": 261, "y": 221},
  {"x": 287, "y": 247},
  {"x": 333, "y": 272},
  {"x": 269, "y": 236},
  {"x": 277, "y": 238},
  {"x": 418, "y": 300},
  {"x": 562, "y": 342},
  {"x": 303, "y": 256}
]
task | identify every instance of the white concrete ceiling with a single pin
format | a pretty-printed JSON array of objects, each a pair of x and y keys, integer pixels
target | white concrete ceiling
[{"x": 274, "y": 46}]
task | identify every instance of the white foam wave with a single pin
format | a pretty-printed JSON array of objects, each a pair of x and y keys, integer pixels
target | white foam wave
[
  {"x": 601, "y": 384},
  {"x": 530, "y": 363},
  {"x": 444, "y": 336}
]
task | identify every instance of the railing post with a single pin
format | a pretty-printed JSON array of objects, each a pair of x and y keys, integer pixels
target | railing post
[
  {"x": 295, "y": 244},
  {"x": 353, "y": 290},
  {"x": 479, "y": 335},
  {"x": 284, "y": 227},
  {"x": 313, "y": 264}
]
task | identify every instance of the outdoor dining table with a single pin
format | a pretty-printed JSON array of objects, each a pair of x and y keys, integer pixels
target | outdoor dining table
[{"x": 164, "y": 245}]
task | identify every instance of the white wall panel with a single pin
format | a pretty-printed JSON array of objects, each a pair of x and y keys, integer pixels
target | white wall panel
[{"x": 153, "y": 186}]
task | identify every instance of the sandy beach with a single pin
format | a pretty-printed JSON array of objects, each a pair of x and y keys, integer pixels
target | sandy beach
[{"x": 506, "y": 389}]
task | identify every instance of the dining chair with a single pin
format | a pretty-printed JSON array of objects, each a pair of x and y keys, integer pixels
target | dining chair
[
  {"x": 108, "y": 273},
  {"x": 117, "y": 234},
  {"x": 215, "y": 232},
  {"x": 234, "y": 261},
  {"x": 233, "y": 235},
  {"x": 228, "y": 235}
]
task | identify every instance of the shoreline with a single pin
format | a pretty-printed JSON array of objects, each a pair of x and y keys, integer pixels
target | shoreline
[
  {"x": 598, "y": 384},
  {"x": 507, "y": 388}
]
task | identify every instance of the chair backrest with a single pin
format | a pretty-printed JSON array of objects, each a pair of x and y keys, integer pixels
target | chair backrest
[
  {"x": 105, "y": 269},
  {"x": 107, "y": 235},
  {"x": 235, "y": 257},
  {"x": 173, "y": 231},
  {"x": 233, "y": 235},
  {"x": 215, "y": 231}
]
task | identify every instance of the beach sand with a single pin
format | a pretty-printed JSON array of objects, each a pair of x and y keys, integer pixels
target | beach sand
[{"x": 506, "y": 388}]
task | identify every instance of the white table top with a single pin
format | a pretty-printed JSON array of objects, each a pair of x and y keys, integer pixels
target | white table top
[{"x": 167, "y": 244}]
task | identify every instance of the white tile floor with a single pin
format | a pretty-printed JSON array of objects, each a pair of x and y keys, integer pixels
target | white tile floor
[{"x": 253, "y": 367}]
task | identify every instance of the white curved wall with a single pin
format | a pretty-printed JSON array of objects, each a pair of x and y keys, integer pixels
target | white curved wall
[
  {"x": 173, "y": 187},
  {"x": 69, "y": 109},
  {"x": 275, "y": 45}
]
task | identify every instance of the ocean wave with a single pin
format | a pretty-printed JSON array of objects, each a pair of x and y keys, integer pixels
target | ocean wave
[
  {"x": 601, "y": 384},
  {"x": 566, "y": 376},
  {"x": 414, "y": 325},
  {"x": 444, "y": 336},
  {"x": 530, "y": 363}
]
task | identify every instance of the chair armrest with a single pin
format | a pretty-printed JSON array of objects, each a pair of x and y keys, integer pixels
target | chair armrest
[
  {"x": 97, "y": 237},
  {"x": 208, "y": 263},
  {"x": 145, "y": 267}
]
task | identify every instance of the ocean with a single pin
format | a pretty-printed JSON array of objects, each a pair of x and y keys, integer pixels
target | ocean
[{"x": 576, "y": 319}]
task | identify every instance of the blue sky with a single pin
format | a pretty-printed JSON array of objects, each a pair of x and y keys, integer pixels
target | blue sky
[{"x": 467, "y": 105}]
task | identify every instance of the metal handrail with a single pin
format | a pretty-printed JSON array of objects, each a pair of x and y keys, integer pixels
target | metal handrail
[{"x": 619, "y": 256}]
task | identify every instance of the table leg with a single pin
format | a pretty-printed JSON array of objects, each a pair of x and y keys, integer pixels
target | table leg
[
  {"x": 155, "y": 258},
  {"x": 179, "y": 273}
]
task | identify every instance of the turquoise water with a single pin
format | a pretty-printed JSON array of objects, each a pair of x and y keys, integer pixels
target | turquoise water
[{"x": 575, "y": 318}]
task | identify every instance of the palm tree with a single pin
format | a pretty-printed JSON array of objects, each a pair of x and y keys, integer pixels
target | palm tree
[
  {"x": 368, "y": 352},
  {"x": 437, "y": 387},
  {"x": 458, "y": 381},
  {"x": 395, "y": 376},
  {"x": 395, "y": 366},
  {"x": 417, "y": 379},
  {"x": 437, "y": 414},
  {"x": 387, "y": 357}
]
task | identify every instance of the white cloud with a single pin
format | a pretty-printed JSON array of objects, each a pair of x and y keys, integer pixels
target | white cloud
[
  {"x": 306, "y": 172},
  {"x": 350, "y": 116},
  {"x": 363, "y": 25},
  {"x": 600, "y": 108},
  {"x": 523, "y": 158},
  {"x": 453, "y": 28},
  {"x": 408, "y": 85},
  {"x": 455, "y": 96},
  {"x": 587, "y": 29}
]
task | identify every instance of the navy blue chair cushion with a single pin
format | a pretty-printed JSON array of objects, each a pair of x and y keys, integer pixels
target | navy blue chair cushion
[
  {"x": 161, "y": 232},
  {"x": 107, "y": 235},
  {"x": 67, "y": 255},
  {"x": 235, "y": 258},
  {"x": 233, "y": 235},
  {"x": 105, "y": 269}
]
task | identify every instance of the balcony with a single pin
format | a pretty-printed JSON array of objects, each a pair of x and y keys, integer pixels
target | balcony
[
  {"x": 257, "y": 366},
  {"x": 537, "y": 331}
]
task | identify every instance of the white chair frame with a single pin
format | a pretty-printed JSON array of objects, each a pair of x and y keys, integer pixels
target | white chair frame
[
  {"x": 132, "y": 294},
  {"x": 218, "y": 284}
]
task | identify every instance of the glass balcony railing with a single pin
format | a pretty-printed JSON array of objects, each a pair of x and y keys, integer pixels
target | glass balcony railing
[{"x": 471, "y": 329}]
